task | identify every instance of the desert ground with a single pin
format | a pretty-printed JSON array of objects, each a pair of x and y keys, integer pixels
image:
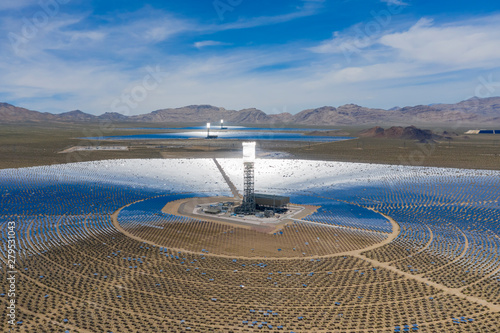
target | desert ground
[{"x": 24, "y": 145}]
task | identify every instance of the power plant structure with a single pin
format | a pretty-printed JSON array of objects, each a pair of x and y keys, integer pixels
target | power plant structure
[
  {"x": 222, "y": 124},
  {"x": 208, "y": 133},
  {"x": 255, "y": 203},
  {"x": 248, "y": 205}
]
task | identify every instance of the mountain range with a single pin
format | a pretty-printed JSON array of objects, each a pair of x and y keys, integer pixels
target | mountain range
[{"x": 472, "y": 111}]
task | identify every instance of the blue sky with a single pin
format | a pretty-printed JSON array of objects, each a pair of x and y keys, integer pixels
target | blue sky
[{"x": 278, "y": 56}]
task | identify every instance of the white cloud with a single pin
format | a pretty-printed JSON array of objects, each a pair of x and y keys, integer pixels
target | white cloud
[
  {"x": 28, "y": 43},
  {"x": 205, "y": 43},
  {"x": 469, "y": 44},
  {"x": 88, "y": 35},
  {"x": 47, "y": 78},
  {"x": 369, "y": 74},
  {"x": 129, "y": 34},
  {"x": 308, "y": 8},
  {"x": 346, "y": 43},
  {"x": 161, "y": 29}
]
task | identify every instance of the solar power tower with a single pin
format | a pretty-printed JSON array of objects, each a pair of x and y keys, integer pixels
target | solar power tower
[{"x": 248, "y": 204}]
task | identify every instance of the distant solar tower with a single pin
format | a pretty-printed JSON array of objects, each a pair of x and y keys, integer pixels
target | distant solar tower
[
  {"x": 222, "y": 124},
  {"x": 208, "y": 130},
  {"x": 248, "y": 204}
]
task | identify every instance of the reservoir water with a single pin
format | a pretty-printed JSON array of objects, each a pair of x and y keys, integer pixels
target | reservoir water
[{"x": 239, "y": 133}]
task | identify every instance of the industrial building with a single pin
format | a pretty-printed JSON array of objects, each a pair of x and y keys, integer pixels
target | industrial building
[
  {"x": 483, "y": 131},
  {"x": 270, "y": 201}
]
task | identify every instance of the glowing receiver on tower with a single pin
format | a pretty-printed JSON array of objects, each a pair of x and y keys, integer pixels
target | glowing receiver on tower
[{"x": 248, "y": 152}]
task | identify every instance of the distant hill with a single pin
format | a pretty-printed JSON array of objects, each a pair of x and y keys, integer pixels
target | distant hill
[
  {"x": 76, "y": 115},
  {"x": 114, "y": 116},
  {"x": 398, "y": 132},
  {"x": 11, "y": 113},
  {"x": 472, "y": 111}
]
